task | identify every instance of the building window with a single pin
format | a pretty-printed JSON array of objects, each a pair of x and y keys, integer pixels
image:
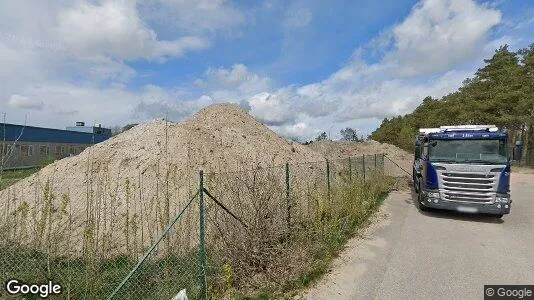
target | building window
[
  {"x": 72, "y": 150},
  {"x": 30, "y": 150},
  {"x": 58, "y": 151},
  {"x": 63, "y": 150},
  {"x": 44, "y": 151},
  {"x": 24, "y": 150}
]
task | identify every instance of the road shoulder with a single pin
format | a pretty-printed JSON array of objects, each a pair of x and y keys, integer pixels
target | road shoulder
[{"x": 365, "y": 256}]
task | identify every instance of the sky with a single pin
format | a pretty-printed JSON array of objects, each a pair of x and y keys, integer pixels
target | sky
[{"x": 300, "y": 67}]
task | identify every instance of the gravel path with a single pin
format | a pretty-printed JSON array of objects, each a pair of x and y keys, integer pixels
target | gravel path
[{"x": 407, "y": 254}]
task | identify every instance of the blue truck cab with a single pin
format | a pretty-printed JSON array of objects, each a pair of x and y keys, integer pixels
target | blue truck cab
[{"x": 463, "y": 168}]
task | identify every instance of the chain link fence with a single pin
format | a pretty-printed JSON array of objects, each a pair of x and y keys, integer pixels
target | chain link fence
[
  {"x": 227, "y": 234},
  {"x": 528, "y": 160}
]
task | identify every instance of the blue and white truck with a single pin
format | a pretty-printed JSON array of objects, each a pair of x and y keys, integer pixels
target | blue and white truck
[{"x": 463, "y": 168}]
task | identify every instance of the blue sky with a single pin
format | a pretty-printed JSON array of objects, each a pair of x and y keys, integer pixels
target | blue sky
[
  {"x": 299, "y": 67},
  {"x": 297, "y": 55}
]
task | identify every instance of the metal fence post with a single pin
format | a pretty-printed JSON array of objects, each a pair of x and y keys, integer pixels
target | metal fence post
[
  {"x": 375, "y": 163},
  {"x": 202, "y": 246},
  {"x": 328, "y": 178},
  {"x": 383, "y": 162},
  {"x": 363, "y": 167},
  {"x": 288, "y": 202},
  {"x": 350, "y": 170}
]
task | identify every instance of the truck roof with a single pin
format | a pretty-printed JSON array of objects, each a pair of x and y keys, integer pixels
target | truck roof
[
  {"x": 490, "y": 128},
  {"x": 463, "y": 132}
]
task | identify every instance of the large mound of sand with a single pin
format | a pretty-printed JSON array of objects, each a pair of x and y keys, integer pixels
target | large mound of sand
[
  {"x": 142, "y": 176},
  {"x": 340, "y": 150}
]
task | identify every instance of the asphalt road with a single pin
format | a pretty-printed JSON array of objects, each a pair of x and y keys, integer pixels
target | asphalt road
[{"x": 409, "y": 254}]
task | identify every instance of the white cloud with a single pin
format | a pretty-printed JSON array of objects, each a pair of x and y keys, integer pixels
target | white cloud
[
  {"x": 72, "y": 56},
  {"x": 439, "y": 34},
  {"x": 270, "y": 109},
  {"x": 430, "y": 52},
  {"x": 179, "y": 47},
  {"x": 234, "y": 84},
  {"x": 300, "y": 130},
  {"x": 157, "y": 102},
  {"x": 61, "y": 104},
  {"x": 21, "y": 102},
  {"x": 114, "y": 28}
]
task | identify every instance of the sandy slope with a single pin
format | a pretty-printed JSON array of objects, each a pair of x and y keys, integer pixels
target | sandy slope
[{"x": 129, "y": 177}]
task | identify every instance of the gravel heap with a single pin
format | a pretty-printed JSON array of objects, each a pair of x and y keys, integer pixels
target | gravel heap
[{"x": 116, "y": 181}]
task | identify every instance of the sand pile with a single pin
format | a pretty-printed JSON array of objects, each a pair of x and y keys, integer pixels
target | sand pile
[
  {"x": 341, "y": 150},
  {"x": 141, "y": 177}
]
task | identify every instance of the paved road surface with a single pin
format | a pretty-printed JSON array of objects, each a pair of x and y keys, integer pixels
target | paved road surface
[{"x": 408, "y": 254}]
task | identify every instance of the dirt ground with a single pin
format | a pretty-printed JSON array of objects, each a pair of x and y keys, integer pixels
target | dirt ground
[{"x": 397, "y": 162}]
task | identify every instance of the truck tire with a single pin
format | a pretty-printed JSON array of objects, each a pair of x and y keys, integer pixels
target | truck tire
[{"x": 497, "y": 216}]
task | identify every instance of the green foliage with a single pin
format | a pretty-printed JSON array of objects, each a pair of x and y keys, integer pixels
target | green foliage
[
  {"x": 500, "y": 93},
  {"x": 10, "y": 177},
  {"x": 160, "y": 280},
  {"x": 322, "y": 137},
  {"x": 349, "y": 134},
  {"x": 228, "y": 275},
  {"x": 45, "y": 162}
]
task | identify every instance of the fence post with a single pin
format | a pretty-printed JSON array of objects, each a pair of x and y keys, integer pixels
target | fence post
[
  {"x": 363, "y": 167},
  {"x": 202, "y": 246},
  {"x": 288, "y": 202},
  {"x": 384, "y": 163},
  {"x": 350, "y": 170},
  {"x": 328, "y": 178}
]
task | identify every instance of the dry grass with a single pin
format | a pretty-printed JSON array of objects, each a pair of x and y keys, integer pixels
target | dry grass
[{"x": 286, "y": 243}]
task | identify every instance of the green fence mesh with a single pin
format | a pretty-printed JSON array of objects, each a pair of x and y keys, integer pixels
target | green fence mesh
[{"x": 263, "y": 229}]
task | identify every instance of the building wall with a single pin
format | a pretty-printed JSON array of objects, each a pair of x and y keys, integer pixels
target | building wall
[
  {"x": 12, "y": 132},
  {"x": 35, "y": 144},
  {"x": 29, "y": 154}
]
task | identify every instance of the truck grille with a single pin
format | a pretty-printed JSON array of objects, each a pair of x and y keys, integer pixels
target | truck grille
[{"x": 468, "y": 187}]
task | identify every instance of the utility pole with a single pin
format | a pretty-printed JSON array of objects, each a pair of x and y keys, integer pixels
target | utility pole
[{"x": 3, "y": 148}]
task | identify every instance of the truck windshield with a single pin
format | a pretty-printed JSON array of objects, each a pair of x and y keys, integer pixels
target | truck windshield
[{"x": 468, "y": 151}]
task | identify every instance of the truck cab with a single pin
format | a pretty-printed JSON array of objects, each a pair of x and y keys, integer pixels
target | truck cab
[{"x": 463, "y": 168}]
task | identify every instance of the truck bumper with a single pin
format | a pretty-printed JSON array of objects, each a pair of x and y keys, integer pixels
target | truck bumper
[{"x": 493, "y": 208}]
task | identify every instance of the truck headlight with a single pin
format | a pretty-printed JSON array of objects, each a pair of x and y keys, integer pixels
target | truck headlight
[
  {"x": 502, "y": 199},
  {"x": 433, "y": 194}
]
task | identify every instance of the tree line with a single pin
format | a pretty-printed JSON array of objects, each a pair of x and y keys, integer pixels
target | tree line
[{"x": 500, "y": 93}]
